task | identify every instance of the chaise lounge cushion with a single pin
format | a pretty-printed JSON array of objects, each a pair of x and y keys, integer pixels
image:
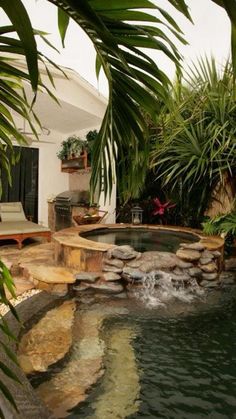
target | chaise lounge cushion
[
  {"x": 14, "y": 224},
  {"x": 18, "y": 227},
  {"x": 12, "y": 211}
]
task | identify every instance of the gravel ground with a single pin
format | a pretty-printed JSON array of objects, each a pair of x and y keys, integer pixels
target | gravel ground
[{"x": 4, "y": 309}]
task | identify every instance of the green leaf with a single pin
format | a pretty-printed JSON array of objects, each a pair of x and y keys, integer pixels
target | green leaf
[
  {"x": 230, "y": 7},
  {"x": 8, "y": 372},
  {"x": 13, "y": 311},
  {"x": 8, "y": 395},
  {"x": 42, "y": 34},
  {"x": 8, "y": 281},
  {"x": 102, "y": 5},
  {"x": 16, "y": 12},
  {"x": 11, "y": 355},
  {"x": 63, "y": 22},
  {"x": 4, "y": 327},
  {"x": 233, "y": 47},
  {"x": 128, "y": 69},
  {"x": 181, "y": 6},
  {"x": 98, "y": 66}
]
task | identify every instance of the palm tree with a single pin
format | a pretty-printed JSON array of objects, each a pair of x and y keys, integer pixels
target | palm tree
[
  {"x": 195, "y": 148},
  {"x": 135, "y": 81}
]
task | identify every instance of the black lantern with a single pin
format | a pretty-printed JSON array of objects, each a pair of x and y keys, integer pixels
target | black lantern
[{"x": 137, "y": 215}]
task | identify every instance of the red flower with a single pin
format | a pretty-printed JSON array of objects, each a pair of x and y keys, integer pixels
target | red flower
[{"x": 159, "y": 208}]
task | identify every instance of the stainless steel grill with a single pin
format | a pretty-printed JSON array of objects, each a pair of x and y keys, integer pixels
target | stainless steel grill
[{"x": 63, "y": 206}]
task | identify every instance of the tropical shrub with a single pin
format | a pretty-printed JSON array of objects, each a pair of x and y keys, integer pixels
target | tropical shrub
[
  {"x": 223, "y": 224},
  {"x": 135, "y": 81},
  {"x": 195, "y": 148}
]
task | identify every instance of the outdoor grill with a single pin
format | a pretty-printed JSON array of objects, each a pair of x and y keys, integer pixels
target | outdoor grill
[{"x": 63, "y": 206}]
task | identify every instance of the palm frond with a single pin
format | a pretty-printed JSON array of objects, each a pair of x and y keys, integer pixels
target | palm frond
[
  {"x": 6, "y": 281},
  {"x": 135, "y": 81},
  {"x": 196, "y": 145},
  {"x": 230, "y": 8}
]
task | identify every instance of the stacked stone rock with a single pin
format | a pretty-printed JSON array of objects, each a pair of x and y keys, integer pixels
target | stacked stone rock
[
  {"x": 228, "y": 276},
  {"x": 111, "y": 278},
  {"x": 205, "y": 264},
  {"x": 122, "y": 265}
]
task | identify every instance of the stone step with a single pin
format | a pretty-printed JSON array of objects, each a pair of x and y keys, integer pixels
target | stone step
[{"x": 49, "y": 274}]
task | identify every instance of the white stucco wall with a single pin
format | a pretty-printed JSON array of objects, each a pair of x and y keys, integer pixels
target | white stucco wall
[
  {"x": 81, "y": 181},
  {"x": 82, "y": 109},
  {"x": 51, "y": 180}
]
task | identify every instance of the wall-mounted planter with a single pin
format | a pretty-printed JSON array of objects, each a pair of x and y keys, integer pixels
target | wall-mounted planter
[{"x": 75, "y": 164}]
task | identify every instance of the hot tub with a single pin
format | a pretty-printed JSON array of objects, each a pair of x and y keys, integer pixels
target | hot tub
[
  {"x": 83, "y": 247},
  {"x": 141, "y": 239}
]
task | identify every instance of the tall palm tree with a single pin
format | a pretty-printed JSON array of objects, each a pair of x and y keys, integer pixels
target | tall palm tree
[{"x": 118, "y": 29}]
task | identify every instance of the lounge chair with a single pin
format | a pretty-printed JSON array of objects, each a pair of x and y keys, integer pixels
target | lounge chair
[{"x": 14, "y": 224}]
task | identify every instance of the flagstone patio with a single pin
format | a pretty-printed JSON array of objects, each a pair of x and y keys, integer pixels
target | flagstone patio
[{"x": 34, "y": 267}]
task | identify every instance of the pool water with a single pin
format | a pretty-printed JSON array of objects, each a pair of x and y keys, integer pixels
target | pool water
[
  {"x": 142, "y": 239},
  {"x": 173, "y": 360}
]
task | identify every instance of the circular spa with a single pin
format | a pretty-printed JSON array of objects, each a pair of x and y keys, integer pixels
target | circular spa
[
  {"x": 141, "y": 239},
  {"x": 84, "y": 247}
]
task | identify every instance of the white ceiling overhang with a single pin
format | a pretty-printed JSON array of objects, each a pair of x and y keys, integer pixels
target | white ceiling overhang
[
  {"x": 65, "y": 117},
  {"x": 80, "y": 106}
]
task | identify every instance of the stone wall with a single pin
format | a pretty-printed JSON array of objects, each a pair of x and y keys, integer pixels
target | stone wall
[{"x": 122, "y": 265}]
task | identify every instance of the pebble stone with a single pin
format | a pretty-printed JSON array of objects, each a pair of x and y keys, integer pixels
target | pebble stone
[
  {"x": 204, "y": 261},
  {"x": 210, "y": 276},
  {"x": 124, "y": 252},
  {"x": 188, "y": 254},
  {"x": 87, "y": 276},
  {"x": 209, "y": 268},
  {"x": 193, "y": 246},
  {"x": 111, "y": 276},
  {"x": 114, "y": 262}
]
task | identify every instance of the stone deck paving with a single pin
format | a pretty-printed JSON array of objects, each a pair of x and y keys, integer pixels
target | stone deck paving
[{"x": 33, "y": 267}]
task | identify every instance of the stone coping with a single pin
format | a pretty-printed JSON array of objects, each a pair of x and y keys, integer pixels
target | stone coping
[
  {"x": 71, "y": 236},
  {"x": 28, "y": 403}
]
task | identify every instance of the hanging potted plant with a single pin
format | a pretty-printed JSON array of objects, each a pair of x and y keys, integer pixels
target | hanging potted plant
[
  {"x": 71, "y": 148},
  {"x": 73, "y": 154}
]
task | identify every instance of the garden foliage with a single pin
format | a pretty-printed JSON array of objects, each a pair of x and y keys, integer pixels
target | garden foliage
[
  {"x": 118, "y": 29},
  {"x": 194, "y": 150}
]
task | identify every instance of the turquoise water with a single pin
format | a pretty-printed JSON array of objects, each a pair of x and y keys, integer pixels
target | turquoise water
[{"x": 141, "y": 239}]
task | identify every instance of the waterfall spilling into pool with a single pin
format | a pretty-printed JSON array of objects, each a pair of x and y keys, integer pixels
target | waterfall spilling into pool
[{"x": 158, "y": 289}]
